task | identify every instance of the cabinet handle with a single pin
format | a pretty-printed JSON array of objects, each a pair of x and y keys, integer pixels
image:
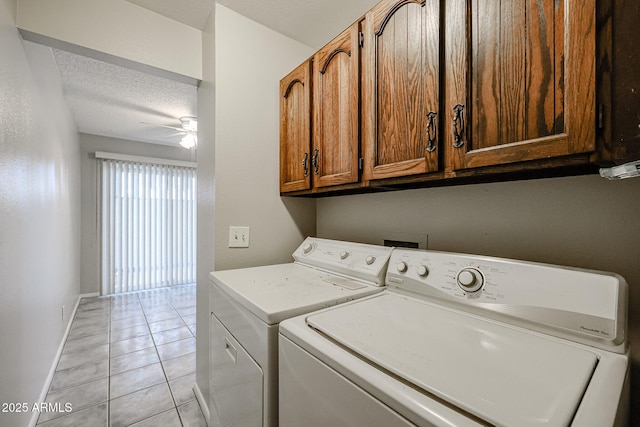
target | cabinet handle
[
  {"x": 432, "y": 131},
  {"x": 305, "y": 164},
  {"x": 314, "y": 161},
  {"x": 458, "y": 125}
]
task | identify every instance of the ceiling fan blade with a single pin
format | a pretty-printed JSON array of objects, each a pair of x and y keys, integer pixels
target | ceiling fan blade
[{"x": 163, "y": 126}]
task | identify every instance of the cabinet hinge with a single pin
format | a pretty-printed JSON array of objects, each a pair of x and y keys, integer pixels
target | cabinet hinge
[
  {"x": 600, "y": 116},
  {"x": 360, "y": 163},
  {"x": 361, "y": 39}
]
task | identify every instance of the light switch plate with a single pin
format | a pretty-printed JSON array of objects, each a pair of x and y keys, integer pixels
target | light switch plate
[{"x": 238, "y": 237}]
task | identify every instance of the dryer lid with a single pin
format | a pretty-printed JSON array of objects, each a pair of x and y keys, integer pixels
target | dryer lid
[
  {"x": 496, "y": 372},
  {"x": 277, "y": 292}
]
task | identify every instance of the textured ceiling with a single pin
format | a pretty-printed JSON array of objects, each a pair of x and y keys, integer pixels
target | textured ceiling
[{"x": 112, "y": 100}]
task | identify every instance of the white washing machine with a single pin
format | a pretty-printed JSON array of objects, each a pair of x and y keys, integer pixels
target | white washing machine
[
  {"x": 248, "y": 304},
  {"x": 461, "y": 340}
]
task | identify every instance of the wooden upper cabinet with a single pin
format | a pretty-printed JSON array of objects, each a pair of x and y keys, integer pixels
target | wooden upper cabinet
[
  {"x": 336, "y": 78},
  {"x": 520, "y": 80},
  {"x": 400, "y": 107},
  {"x": 295, "y": 133}
]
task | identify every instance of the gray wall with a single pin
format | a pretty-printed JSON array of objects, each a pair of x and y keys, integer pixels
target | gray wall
[
  {"x": 582, "y": 221},
  {"x": 243, "y": 62},
  {"x": 250, "y": 61},
  {"x": 39, "y": 217},
  {"x": 89, "y": 144}
]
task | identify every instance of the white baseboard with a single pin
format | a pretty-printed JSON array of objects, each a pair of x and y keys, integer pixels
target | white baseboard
[
  {"x": 203, "y": 403},
  {"x": 54, "y": 365},
  {"x": 91, "y": 295}
]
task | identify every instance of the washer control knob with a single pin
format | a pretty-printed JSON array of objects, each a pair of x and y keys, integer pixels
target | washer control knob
[
  {"x": 370, "y": 260},
  {"x": 470, "y": 279},
  {"x": 344, "y": 255},
  {"x": 423, "y": 271},
  {"x": 308, "y": 248},
  {"x": 402, "y": 267}
]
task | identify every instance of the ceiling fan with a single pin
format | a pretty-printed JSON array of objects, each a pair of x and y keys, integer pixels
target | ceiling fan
[{"x": 189, "y": 130}]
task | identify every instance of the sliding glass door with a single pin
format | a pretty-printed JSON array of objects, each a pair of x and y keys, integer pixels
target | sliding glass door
[{"x": 148, "y": 225}]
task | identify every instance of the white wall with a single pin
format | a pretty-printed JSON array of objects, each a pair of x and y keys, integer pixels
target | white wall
[
  {"x": 581, "y": 221},
  {"x": 250, "y": 61},
  {"x": 243, "y": 64},
  {"x": 89, "y": 144},
  {"x": 206, "y": 199},
  {"x": 10, "y": 10},
  {"x": 39, "y": 216}
]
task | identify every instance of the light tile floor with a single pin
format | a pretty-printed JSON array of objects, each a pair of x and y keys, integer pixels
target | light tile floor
[{"x": 129, "y": 360}]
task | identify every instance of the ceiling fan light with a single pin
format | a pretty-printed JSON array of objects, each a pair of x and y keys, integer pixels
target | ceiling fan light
[
  {"x": 189, "y": 123},
  {"x": 188, "y": 141}
]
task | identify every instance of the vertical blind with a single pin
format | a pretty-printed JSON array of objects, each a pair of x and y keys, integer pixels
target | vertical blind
[{"x": 148, "y": 225}]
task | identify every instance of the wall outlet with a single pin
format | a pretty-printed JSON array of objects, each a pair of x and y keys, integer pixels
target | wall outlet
[{"x": 238, "y": 237}]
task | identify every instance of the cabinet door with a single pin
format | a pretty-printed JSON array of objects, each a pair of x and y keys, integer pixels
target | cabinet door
[
  {"x": 336, "y": 79},
  {"x": 400, "y": 88},
  {"x": 520, "y": 79},
  {"x": 295, "y": 134}
]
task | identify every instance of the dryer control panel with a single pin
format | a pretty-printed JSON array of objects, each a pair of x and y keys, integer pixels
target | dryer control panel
[
  {"x": 355, "y": 260},
  {"x": 586, "y": 304}
]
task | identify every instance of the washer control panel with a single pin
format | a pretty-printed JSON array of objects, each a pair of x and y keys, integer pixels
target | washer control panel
[
  {"x": 586, "y": 302},
  {"x": 358, "y": 260}
]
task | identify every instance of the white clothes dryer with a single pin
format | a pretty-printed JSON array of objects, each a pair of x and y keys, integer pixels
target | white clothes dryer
[
  {"x": 248, "y": 304},
  {"x": 462, "y": 340}
]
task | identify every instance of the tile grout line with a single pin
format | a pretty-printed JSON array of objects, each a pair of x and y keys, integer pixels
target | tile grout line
[
  {"x": 164, "y": 372},
  {"x": 111, "y": 304},
  {"x": 172, "y": 396}
]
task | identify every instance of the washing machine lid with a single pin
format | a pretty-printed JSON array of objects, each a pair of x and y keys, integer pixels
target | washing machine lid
[
  {"x": 501, "y": 374},
  {"x": 278, "y": 292}
]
